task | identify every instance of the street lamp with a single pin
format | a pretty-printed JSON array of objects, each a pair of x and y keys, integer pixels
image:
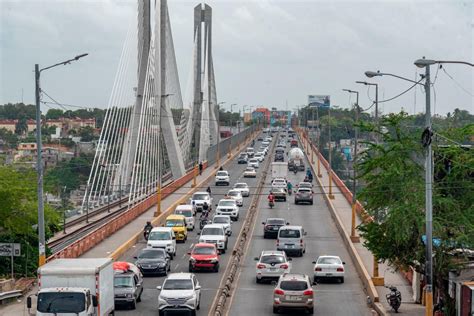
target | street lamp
[
  {"x": 376, "y": 102},
  {"x": 39, "y": 160},
  {"x": 354, "y": 238}
]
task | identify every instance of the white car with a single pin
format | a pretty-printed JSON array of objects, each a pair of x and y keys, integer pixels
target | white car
[
  {"x": 198, "y": 199},
  {"x": 260, "y": 156},
  {"x": 225, "y": 221},
  {"x": 180, "y": 291},
  {"x": 250, "y": 172},
  {"x": 271, "y": 265},
  {"x": 163, "y": 237},
  {"x": 214, "y": 234},
  {"x": 237, "y": 196},
  {"x": 253, "y": 163},
  {"x": 279, "y": 183},
  {"x": 243, "y": 188},
  {"x": 329, "y": 267},
  {"x": 228, "y": 207},
  {"x": 222, "y": 177},
  {"x": 187, "y": 210}
]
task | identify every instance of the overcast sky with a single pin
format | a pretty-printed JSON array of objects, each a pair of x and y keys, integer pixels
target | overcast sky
[{"x": 266, "y": 53}]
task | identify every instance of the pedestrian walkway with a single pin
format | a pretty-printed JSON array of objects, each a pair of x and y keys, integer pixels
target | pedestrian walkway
[{"x": 344, "y": 211}]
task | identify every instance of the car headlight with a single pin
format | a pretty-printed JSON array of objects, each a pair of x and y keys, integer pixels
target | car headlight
[
  {"x": 214, "y": 260},
  {"x": 129, "y": 295},
  {"x": 192, "y": 259},
  {"x": 169, "y": 245},
  {"x": 161, "y": 264}
]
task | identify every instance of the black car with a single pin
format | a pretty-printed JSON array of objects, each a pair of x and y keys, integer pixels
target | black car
[
  {"x": 260, "y": 138},
  {"x": 272, "y": 225},
  {"x": 279, "y": 193},
  {"x": 242, "y": 159},
  {"x": 153, "y": 261},
  {"x": 279, "y": 157}
]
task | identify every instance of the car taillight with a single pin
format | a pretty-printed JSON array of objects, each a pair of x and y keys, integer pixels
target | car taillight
[
  {"x": 266, "y": 227},
  {"x": 340, "y": 269},
  {"x": 261, "y": 266},
  {"x": 278, "y": 242},
  {"x": 308, "y": 293},
  {"x": 279, "y": 292},
  {"x": 301, "y": 241},
  {"x": 284, "y": 266},
  {"x": 317, "y": 269}
]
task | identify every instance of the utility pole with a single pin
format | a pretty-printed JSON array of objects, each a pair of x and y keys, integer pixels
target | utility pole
[
  {"x": 330, "y": 195},
  {"x": 318, "y": 141}
]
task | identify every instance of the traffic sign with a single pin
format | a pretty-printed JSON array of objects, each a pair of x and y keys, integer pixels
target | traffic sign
[{"x": 6, "y": 249}]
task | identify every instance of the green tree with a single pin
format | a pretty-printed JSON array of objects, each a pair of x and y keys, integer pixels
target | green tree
[
  {"x": 70, "y": 174},
  {"x": 21, "y": 126},
  {"x": 394, "y": 195},
  {"x": 54, "y": 114},
  {"x": 86, "y": 133},
  {"x": 10, "y": 138}
]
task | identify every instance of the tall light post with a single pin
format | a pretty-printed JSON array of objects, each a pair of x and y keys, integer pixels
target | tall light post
[
  {"x": 218, "y": 135},
  {"x": 377, "y": 124},
  {"x": 159, "y": 184},
  {"x": 354, "y": 237},
  {"x": 330, "y": 195},
  {"x": 39, "y": 160}
]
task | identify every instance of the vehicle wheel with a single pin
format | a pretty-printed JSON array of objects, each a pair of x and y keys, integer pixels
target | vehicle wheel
[
  {"x": 258, "y": 280},
  {"x": 190, "y": 268},
  {"x": 161, "y": 313},
  {"x": 341, "y": 279},
  {"x": 169, "y": 267},
  {"x": 216, "y": 268},
  {"x": 301, "y": 253},
  {"x": 264, "y": 236},
  {"x": 223, "y": 251},
  {"x": 193, "y": 313},
  {"x": 311, "y": 203},
  {"x": 133, "y": 305},
  {"x": 296, "y": 202},
  {"x": 311, "y": 310},
  {"x": 275, "y": 310}
]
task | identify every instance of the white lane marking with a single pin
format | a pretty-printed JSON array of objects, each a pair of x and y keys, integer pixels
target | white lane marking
[
  {"x": 191, "y": 246},
  {"x": 176, "y": 267}
]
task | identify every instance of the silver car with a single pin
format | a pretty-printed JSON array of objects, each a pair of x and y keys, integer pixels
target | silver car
[
  {"x": 304, "y": 195},
  {"x": 271, "y": 265},
  {"x": 293, "y": 291}
]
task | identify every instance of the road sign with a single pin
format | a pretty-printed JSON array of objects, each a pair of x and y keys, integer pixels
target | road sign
[{"x": 6, "y": 249}]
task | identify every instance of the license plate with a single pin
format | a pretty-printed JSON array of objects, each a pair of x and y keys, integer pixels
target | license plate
[
  {"x": 275, "y": 228},
  {"x": 328, "y": 274},
  {"x": 273, "y": 269},
  {"x": 292, "y": 298},
  {"x": 290, "y": 245}
]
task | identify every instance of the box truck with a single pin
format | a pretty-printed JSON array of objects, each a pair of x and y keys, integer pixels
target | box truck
[
  {"x": 279, "y": 170},
  {"x": 75, "y": 287}
]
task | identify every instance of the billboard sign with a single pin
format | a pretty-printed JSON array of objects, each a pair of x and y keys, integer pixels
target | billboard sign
[
  {"x": 7, "y": 249},
  {"x": 319, "y": 100}
]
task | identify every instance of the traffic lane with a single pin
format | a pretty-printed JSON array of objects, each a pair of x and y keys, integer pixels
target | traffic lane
[
  {"x": 209, "y": 280},
  {"x": 322, "y": 238}
]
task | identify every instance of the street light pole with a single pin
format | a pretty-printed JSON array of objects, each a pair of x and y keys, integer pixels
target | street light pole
[
  {"x": 354, "y": 237},
  {"x": 39, "y": 158},
  {"x": 377, "y": 124},
  {"x": 330, "y": 195}
]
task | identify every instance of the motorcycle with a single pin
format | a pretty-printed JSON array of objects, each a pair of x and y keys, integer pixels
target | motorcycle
[
  {"x": 295, "y": 170},
  {"x": 394, "y": 298},
  {"x": 203, "y": 221},
  {"x": 271, "y": 204},
  {"x": 146, "y": 233}
]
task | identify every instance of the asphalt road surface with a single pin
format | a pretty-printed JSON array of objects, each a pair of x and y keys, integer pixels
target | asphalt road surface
[
  {"x": 209, "y": 280},
  {"x": 331, "y": 298}
]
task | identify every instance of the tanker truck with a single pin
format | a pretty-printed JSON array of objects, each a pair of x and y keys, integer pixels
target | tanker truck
[{"x": 296, "y": 159}]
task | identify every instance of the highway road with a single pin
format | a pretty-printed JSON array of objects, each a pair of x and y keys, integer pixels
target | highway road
[
  {"x": 331, "y": 298},
  {"x": 209, "y": 280}
]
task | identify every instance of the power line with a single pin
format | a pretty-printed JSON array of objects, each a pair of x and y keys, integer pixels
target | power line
[{"x": 457, "y": 83}]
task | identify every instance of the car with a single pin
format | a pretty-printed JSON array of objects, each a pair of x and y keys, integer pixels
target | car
[
  {"x": 328, "y": 267},
  {"x": 271, "y": 265},
  {"x": 293, "y": 291},
  {"x": 250, "y": 172},
  {"x": 305, "y": 185},
  {"x": 237, "y": 196},
  {"x": 291, "y": 239},
  {"x": 253, "y": 162},
  {"x": 199, "y": 198},
  {"x": 152, "y": 261},
  {"x": 243, "y": 188},
  {"x": 250, "y": 152},
  {"x": 178, "y": 224},
  {"x": 187, "y": 211},
  {"x": 226, "y": 221},
  {"x": 272, "y": 225},
  {"x": 279, "y": 183},
  {"x": 266, "y": 142},
  {"x": 260, "y": 156},
  {"x": 163, "y": 237},
  {"x": 179, "y": 292},
  {"x": 293, "y": 143},
  {"x": 279, "y": 194},
  {"x": 214, "y": 234},
  {"x": 304, "y": 195},
  {"x": 228, "y": 207},
  {"x": 279, "y": 157},
  {"x": 128, "y": 284},
  {"x": 204, "y": 256},
  {"x": 242, "y": 159},
  {"x": 222, "y": 177}
]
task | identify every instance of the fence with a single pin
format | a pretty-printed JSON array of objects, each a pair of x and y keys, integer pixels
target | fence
[{"x": 228, "y": 144}]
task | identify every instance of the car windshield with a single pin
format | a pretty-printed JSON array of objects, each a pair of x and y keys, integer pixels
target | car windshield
[
  {"x": 293, "y": 285},
  {"x": 204, "y": 250},
  {"x": 240, "y": 186},
  {"x": 123, "y": 281},
  {"x": 221, "y": 220},
  {"x": 289, "y": 233},
  {"x": 174, "y": 223},
  {"x": 272, "y": 259},
  {"x": 250, "y": 169},
  {"x": 186, "y": 213},
  {"x": 226, "y": 203},
  {"x": 278, "y": 190},
  {"x": 253, "y": 160},
  {"x": 159, "y": 236},
  {"x": 200, "y": 196},
  {"x": 278, "y": 181},
  {"x": 151, "y": 254},
  {"x": 222, "y": 173},
  {"x": 178, "y": 285},
  {"x": 212, "y": 231},
  {"x": 233, "y": 193},
  {"x": 304, "y": 190},
  {"x": 329, "y": 260},
  {"x": 61, "y": 302},
  {"x": 276, "y": 222}
]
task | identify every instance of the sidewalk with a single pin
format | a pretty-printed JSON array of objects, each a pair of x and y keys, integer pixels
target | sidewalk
[{"x": 344, "y": 211}]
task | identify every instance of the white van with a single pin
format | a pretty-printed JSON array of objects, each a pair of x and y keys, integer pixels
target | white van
[
  {"x": 187, "y": 211},
  {"x": 163, "y": 237},
  {"x": 291, "y": 240}
]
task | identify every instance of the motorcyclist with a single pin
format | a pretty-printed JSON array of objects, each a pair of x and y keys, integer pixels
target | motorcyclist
[
  {"x": 146, "y": 230},
  {"x": 271, "y": 198},
  {"x": 220, "y": 169},
  {"x": 205, "y": 209},
  {"x": 289, "y": 187},
  {"x": 208, "y": 190}
]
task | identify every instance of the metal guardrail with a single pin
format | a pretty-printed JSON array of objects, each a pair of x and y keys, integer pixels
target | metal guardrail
[{"x": 9, "y": 295}]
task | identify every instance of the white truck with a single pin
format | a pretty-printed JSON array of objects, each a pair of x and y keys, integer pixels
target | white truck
[
  {"x": 279, "y": 170},
  {"x": 79, "y": 287},
  {"x": 296, "y": 159}
]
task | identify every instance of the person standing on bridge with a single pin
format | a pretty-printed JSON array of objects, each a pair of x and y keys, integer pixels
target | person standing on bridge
[{"x": 200, "y": 168}]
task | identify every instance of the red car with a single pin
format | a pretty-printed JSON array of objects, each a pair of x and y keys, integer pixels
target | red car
[{"x": 204, "y": 256}]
